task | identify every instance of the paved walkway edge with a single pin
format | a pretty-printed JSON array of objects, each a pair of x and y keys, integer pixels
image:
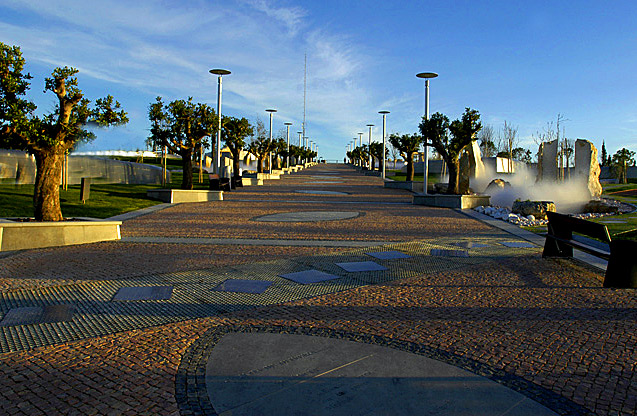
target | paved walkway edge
[{"x": 139, "y": 212}]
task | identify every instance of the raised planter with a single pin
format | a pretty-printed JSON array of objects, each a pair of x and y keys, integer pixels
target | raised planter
[
  {"x": 408, "y": 185},
  {"x": 452, "y": 201},
  {"x": 251, "y": 181},
  {"x": 28, "y": 235},
  {"x": 175, "y": 196}
]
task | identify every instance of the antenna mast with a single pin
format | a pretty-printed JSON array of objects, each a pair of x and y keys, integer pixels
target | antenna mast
[{"x": 304, "y": 92}]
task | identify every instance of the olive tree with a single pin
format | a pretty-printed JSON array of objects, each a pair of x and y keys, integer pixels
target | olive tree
[
  {"x": 234, "y": 133},
  {"x": 181, "y": 126},
  {"x": 407, "y": 145},
  {"x": 449, "y": 139},
  {"x": 48, "y": 137}
]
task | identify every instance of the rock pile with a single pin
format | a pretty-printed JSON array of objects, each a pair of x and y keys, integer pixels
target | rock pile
[{"x": 505, "y": 214}]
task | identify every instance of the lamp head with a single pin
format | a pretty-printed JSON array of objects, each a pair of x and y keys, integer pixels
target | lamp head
[
  {"x": 427, "y": 75},
  {"x": 220, "y": 71}
]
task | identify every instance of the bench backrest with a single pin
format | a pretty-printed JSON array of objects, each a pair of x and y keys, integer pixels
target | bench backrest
[
  {"x": 564, "y": 226},
  {"x": 213, "y": 176}
]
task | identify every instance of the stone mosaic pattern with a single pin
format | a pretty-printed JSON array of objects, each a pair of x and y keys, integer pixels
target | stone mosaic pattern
[{"x": 98, "y": 312}]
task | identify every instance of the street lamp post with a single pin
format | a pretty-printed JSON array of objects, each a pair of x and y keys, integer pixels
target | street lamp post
[
  {"x": 360, "y": 140},
  {"x": 217, "y": 160},
  {"x": 369, "y": 144},
  {"x": 426, "y": 76},
  {"x": 287, "y": 165},
  {"x": 271, "y": 111},
  {"x": 384, "y": 113}
]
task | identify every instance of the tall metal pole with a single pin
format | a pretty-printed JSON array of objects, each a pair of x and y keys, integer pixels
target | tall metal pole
[
  {"x": 369, "y": 144},
  {"x": 287, "y": 164},
  {"x": 271, "y": 111},
  {"x": 217, "y": 159},
  {"x": 384, "y": 113},
  {"x": 360, "y": 140},
  {"x": 426, "y": 76}
]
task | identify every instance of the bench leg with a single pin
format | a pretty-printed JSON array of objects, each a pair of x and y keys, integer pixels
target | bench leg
[
  {"x": 622, "y": 265},
  {"x": 554, "y": 248}
]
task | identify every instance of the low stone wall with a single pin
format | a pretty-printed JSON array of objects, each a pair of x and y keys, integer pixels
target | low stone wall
[
  {"x": 451, "y": 201},
  {"x": 29, "y": 235},
  {"x": 176, "y": 196}
]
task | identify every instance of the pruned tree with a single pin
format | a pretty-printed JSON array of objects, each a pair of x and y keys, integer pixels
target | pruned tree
[
  {"x": 50, "y": 136},
  {"x": 181, "y": 126},
  {"x": 260, "y": 147},
  {"x": 234, "y": 131},
  {"x": 376, "y": 149},
  {"x": 407, "y": 145},
  {"x": 449, "y": 139}
]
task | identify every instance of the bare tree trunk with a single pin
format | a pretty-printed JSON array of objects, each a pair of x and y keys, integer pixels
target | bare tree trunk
[
  {"x": 410, "y": 167},
  {"x": 260, "y": 164},
  {"x": 186, "y": 163},
  {"x": 46, "y": 197},
  {"x": 236, "y": 159},
  {"x": 454, "y": 177}
]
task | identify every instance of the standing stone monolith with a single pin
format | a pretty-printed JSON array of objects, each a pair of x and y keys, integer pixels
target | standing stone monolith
[
  {"x": 547, "y": 162},
  {"x": 471, "y": 166},
  {"x": 587, "y": 168}
]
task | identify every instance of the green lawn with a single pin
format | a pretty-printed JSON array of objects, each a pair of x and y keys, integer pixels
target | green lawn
[
  {"x": 397, "y": 175},
  {"x": 106, "y": 200}
]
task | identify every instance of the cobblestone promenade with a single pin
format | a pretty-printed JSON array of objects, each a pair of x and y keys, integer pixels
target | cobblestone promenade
[{"x": 126, "y": 327}]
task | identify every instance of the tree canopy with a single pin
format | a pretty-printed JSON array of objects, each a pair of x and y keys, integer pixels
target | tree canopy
[
  {"x": 182, "y": 126},
  {"x": 407, "y": 145},
  {"x": 234, "y": 132},
  {"x": 449, "y": 139}
]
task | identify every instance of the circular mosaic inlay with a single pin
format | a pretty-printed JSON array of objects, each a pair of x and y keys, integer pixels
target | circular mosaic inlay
[
  {"x": 308, "y": 216},
  {"x": 319, "y": 192},
  {"x": 297, "y": 374}
]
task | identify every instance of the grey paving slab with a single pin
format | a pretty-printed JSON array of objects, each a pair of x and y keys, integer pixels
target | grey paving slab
[
  {"x": 309, "y": 276},
  {"x": 361, "y": 266},
  {"x": 37, "y": 315},
  {"x": 244, "y": 286},
  {"x": 439, "y": 252},
  {"x": 470, "y": 244},
  {"x": 612, "y": 222},
  {"x": 517, "y": 244},
  {"x": 319, "y": 192},
  {"x": 308, "y": 216},
  {"x": 389, "y": 255},
  {"x": 274, "y": 374},
  {"x": 144, "y": 293}
]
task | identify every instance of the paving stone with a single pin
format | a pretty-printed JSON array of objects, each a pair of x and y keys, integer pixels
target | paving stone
[
  {"x": 309, "y": 276},
  {"x": 319, "y": 192},
  {"x": 389, "y": 255},
  {"x": 308, "y": 216},
  {"x": 518, "y": 244},
  {"x": 144, "y": 293},
  {"x": 470, "y": 244},
  {"x": 244, "y": 286},
  {"x": 361, "y": 266},
  {"x": 38, "y": 315},
  {"x": 439, "y": 252}
]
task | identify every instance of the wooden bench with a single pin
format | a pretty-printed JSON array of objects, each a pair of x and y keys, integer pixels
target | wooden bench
[
  {"x": 218, "y": 184},
  {"x": 621, "y": 271}
]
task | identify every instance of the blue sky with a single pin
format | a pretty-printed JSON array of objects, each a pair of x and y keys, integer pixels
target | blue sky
[{"x": 523, "y": 62}]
